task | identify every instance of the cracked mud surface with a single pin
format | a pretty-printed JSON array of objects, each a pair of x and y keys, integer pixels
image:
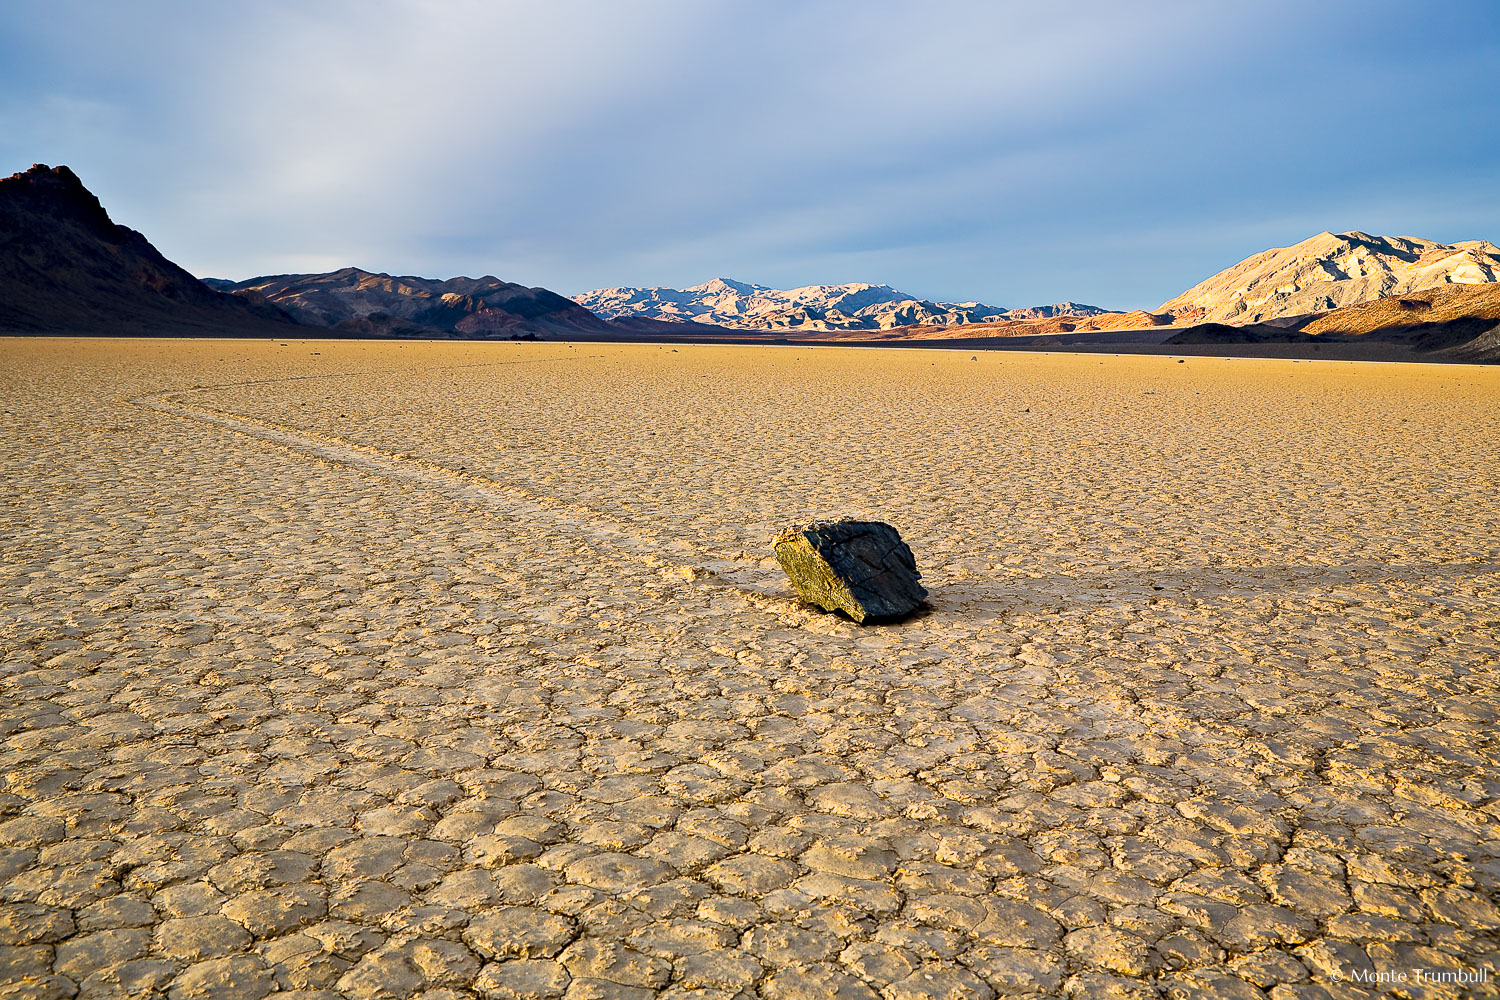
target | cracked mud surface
[{"x": 453, "y": 670}]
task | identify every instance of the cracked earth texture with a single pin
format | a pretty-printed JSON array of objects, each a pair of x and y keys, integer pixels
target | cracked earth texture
[{"x": 459, "y": 670}]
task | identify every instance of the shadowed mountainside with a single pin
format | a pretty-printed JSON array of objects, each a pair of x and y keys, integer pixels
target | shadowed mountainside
[
  {"x": 66, "y": 267},
  {"x": 1449, "y": 322},
  {"x": 1451, "y": 307},
  {"x": 367, "y": 304}
]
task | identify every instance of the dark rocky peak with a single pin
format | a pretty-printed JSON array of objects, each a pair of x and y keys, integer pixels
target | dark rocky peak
[{"x": 56, "y": 192}]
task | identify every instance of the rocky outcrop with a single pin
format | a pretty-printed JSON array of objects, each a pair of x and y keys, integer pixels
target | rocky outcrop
[
  {"x": 359, "y": 301},
  {"x": 861, "y": 568},
  {"x": 856, "y": 306},
  {"x": 1330, "y": 271},
  {"x": 66, "y": 267}
]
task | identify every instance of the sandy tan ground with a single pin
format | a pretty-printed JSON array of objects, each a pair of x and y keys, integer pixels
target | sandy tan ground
[{"x": 443, "y": 670}]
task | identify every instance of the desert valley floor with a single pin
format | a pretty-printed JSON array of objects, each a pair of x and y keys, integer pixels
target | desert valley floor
[{"x": 374, "y": 670}]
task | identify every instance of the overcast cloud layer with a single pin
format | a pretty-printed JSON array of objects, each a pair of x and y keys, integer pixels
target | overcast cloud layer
[{"x": 1005, "y": 153}]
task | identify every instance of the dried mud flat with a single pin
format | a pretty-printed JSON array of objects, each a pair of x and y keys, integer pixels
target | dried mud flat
[{"x": 454, "y": 670}]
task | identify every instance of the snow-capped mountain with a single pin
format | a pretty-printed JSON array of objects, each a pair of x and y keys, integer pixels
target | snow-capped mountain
[{"x": 854, "y": 306}]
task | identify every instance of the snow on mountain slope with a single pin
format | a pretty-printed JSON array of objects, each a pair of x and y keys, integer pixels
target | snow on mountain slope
[{"x": 854, "y": 306}]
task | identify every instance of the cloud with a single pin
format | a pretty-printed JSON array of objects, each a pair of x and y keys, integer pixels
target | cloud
[{"x": 1005, "y": 152}]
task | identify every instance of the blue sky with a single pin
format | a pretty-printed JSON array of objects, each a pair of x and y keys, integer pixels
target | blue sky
[{"x": 1111, "y": 153}]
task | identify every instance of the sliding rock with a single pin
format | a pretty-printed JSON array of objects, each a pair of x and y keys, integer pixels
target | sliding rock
[{"x": 861, "y": 568}]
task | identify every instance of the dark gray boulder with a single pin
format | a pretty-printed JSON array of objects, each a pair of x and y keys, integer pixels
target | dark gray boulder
[{"x": 861, "y": 568}]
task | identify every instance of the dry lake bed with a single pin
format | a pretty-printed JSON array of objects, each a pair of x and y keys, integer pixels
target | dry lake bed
[{"x": 449, "y": 670}]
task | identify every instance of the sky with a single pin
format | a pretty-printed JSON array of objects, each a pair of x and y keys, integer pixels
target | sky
[{"x": 1011, "y": 153}]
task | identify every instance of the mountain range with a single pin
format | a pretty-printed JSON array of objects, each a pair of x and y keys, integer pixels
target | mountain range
[
  {"x": 365, "y": 304},
  {"x": 737, "y": 305},
  {"x": 66, "y": 267}
]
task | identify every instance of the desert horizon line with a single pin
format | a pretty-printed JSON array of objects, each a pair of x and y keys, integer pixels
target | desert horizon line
[
  {"x": 788, "y": 287},
  {"x": 724, "y": 274},
  {"x": 70, "y": 267}
]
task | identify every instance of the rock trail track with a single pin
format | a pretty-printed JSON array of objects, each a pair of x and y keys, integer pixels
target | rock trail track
[{"x": 457, "y": 670}]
